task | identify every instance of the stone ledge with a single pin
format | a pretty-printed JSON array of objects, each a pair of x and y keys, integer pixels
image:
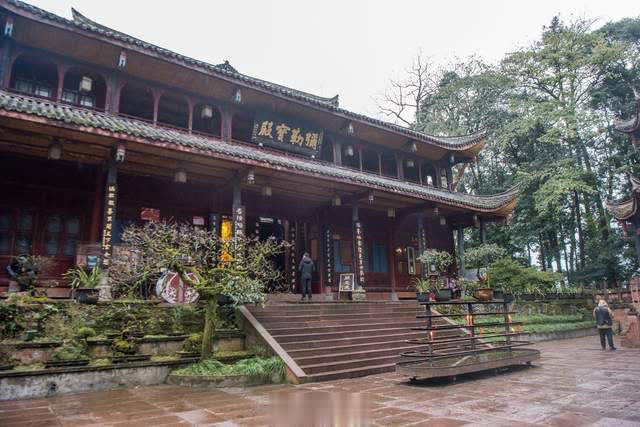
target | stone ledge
[
  {"x": 562, "y": 335},
  {"x": 79, "y": 369}
]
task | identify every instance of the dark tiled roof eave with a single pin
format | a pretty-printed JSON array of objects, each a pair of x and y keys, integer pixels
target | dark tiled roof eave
[
  {"x": 622, "y": 210},
  {"x": 498, "y": 203},
  {"x": 454, "y": 143}
]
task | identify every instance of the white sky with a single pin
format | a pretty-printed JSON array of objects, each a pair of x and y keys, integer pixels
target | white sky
[{"x": 328, "y": 47}]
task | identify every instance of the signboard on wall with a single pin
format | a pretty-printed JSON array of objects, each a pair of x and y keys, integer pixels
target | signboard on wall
[
  {"x": 286, "y": 134},
  {"x": 347, "y": 282},
  {"x": 150, "y": 214},
  {"x": 238, "y": 221},
  {"x": 328, "y": 257}
]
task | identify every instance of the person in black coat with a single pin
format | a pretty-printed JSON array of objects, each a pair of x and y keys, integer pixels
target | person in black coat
[{"x": 306, "y": 269}]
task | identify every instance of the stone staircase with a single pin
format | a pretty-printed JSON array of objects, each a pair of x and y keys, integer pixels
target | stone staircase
[{"x": 343, "y": 340}]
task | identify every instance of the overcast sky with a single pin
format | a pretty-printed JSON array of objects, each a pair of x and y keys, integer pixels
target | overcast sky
[{"x": 330, "y": 47}]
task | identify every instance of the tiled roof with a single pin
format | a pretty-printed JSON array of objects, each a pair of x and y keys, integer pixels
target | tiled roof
[
  {"x": 625, "y": 210},
  {"x": 632, "y": 124},
  {"x": 455, "y": 143},
  {"x": 121, "y": 127}
]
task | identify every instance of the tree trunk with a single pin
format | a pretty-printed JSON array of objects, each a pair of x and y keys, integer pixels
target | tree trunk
[
  {"x": 576, "y": 201},
  {"x": 543, "y": 258},
  {"x": 210, "y": 326},
  {"x": 555, "y": 250}
]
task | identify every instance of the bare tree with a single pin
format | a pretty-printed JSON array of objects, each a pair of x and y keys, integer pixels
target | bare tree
[{"x": 403, "y": 98}]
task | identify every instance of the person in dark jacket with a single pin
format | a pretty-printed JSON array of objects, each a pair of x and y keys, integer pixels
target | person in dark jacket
[
  {"x": 604, "y": 322},
  {"x": 306, "y": 269}
]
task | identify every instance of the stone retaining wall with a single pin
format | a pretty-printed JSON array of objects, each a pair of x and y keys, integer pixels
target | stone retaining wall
[
  {"x": 51, "y": 382},
  {"x": 562, "y": 335}
]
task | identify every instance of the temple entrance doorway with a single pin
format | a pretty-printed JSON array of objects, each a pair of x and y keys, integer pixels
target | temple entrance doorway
[{"x": 272, "y": 228}]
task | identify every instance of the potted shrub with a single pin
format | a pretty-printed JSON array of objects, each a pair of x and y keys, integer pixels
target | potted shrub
[
  {"x": 85, "y": 284},
  {"x": 437, "y": 262},
  {"x": 423, "y": 287}
]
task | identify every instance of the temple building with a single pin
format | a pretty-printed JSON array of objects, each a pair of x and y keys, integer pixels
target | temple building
[
  {"x": 626, "y": 212},
  {"x": 99, "y": 130}
]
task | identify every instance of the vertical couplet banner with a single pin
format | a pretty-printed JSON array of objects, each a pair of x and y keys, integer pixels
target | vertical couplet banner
[{"x": 110, "y": 203}]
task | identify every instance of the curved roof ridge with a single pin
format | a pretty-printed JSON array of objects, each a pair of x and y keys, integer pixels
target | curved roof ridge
[
  {"x": 632, "y": 124},
  {"x": 122, "y": 127},
  {"x": 473, "y": 142}
]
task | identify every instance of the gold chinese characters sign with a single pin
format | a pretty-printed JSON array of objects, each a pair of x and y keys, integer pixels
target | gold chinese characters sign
[
  {"x": 287, "y": 134},
  {"x": 109, "y": 216}
]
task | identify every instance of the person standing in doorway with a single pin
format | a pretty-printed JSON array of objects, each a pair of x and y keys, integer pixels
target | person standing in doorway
[
  {"x": 306, "y": 269},
  {"x": 604, "y": 322}
]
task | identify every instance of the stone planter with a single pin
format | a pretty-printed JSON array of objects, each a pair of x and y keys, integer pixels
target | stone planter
[
  {"x": 99, "y": 348},
  {"x": 27, "y": 353},
  {"x": 87, "y": 295},
  {"x": 160, "y": 345},
  {"x": 131, "y": 358},
  {"x": 484, "y": 294},
  {"x": 66, "y": 363},
  {"x": 444, "y": 294}
]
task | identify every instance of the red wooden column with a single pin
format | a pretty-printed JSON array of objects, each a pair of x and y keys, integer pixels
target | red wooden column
[{"x": 337, "y": 153}]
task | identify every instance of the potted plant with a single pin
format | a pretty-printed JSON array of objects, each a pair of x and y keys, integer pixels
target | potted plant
[
  {"x": 484, "y": 292},
  {"x": 423, "y": 287},
  {"x": 85, "y": 284},
  {"x": 437, "y": 262},
  {"x": 481, "y": 257}
]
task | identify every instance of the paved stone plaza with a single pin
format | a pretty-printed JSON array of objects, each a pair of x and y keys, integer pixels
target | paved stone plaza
[{"x": 575, "y": 383}]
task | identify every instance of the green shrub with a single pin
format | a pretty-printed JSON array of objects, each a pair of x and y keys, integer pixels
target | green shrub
[
  {"x": 100, "y": 362},
  {"x": 86, "y": 332},
  {"x": 512, "y": 277},
  {"x": 257, "y": 369},
  {"x": 68, "y": 352},
  {"x": 193, "y": 343},
  {"x": 123, "y": 346}
]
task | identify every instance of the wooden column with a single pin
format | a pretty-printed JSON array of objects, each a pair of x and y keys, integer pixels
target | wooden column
[
  {"x": 380, "y": 164},
  {"x": 360, "y": 158},
  {"x": 156, "y": 101},
  {"x": 483, "y": 232},
  {"x": 287, "y": 251},
  {"x": 337, "y": 153},
  {"x": 420, "y": 172},
  {"x": 391, "y": 259},
  {"x": 399, "y": 166},
  {"x": 461, "y": 250},
  {"x": 449, "y": 178},
  {"x": 5, "y": 61},
  {"x": 226, "y": 122},
  {"x": 94, "y": 232},
  {"x": 190, "y": 105},
  {"x": 62, "y": 70}
]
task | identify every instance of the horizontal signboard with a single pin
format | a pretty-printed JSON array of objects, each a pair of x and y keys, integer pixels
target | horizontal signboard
[{"x": 286, "y": 134}]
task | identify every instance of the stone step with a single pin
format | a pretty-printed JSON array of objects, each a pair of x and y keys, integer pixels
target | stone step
[
  {"x": 297, "y": 345},
  {"x": 349, "y": 364},
  {"x": 351, "y": 373},
  {"x": 331, "y": 356},
  {"x": 348, "y": 348},
  {"x": 339, "y": 327},
  {"x": 299, "y": 319},
  {"x": 304, "y": 336},
  {"x": 334, "y": 309},
  {"x": 339, "y": 322}
]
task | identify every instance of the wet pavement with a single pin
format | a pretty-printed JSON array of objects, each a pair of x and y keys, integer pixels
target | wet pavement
[{"x": 575, "y": 383}]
